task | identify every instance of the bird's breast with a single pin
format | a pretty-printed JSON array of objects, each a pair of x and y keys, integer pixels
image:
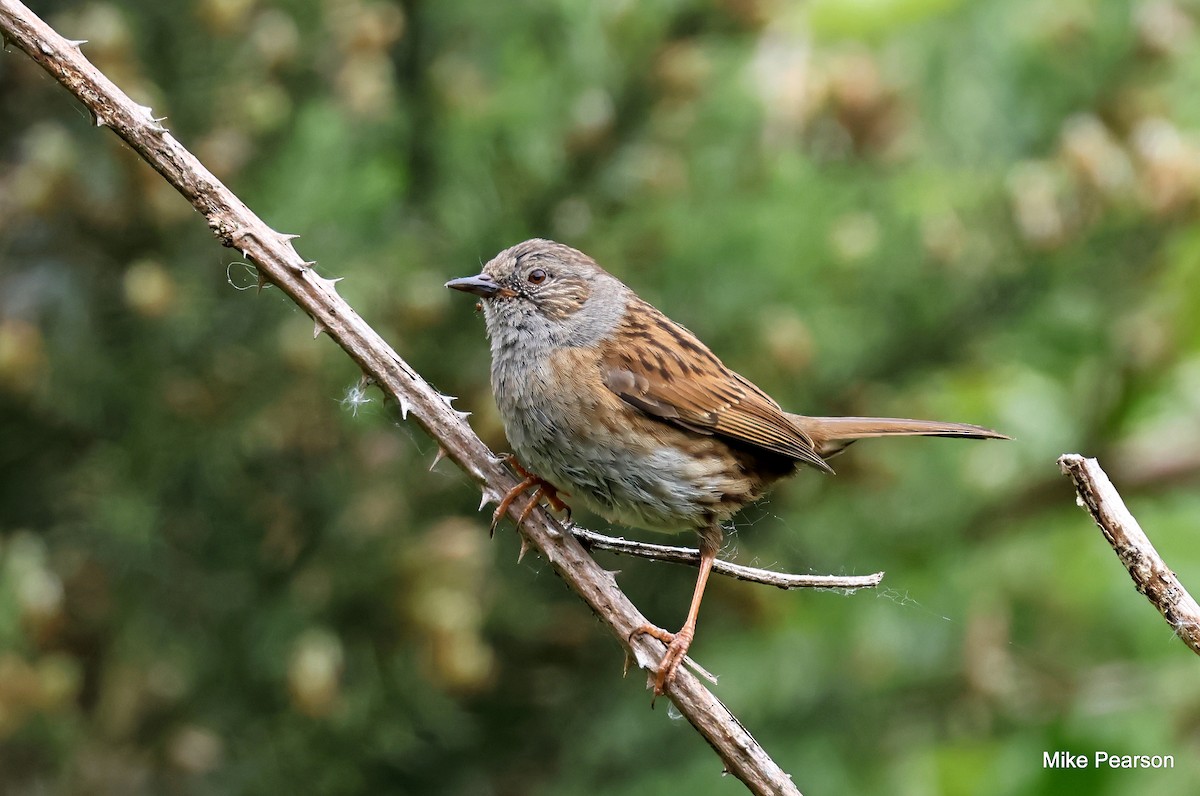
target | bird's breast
[{"x": 566, "y": 426}]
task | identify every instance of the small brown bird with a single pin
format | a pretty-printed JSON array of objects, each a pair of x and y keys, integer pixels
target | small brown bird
[{"x": 617, "y": 406}]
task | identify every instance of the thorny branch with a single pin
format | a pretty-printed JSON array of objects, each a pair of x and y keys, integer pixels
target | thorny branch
[
  {"x": 1150, "y": 573},
  {"x": 691, "y": 556},
  {"x": 276, "y": 259}
]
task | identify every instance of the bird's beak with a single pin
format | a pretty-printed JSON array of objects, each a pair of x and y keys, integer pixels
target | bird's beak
[{"x": 481, "y": 285}]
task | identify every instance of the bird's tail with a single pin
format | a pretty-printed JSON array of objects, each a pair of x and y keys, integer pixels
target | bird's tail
[{"x": 831, "y": 435}]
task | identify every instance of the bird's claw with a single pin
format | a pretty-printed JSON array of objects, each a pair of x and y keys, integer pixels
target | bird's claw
[
  {"x": 677, "y": 647},
  {"x": 544, "y": 490}
]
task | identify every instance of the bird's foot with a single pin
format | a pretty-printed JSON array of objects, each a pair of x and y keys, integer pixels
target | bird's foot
[
  {"x": 677, "y": 647},
  {"x": 544, "y": 490}
]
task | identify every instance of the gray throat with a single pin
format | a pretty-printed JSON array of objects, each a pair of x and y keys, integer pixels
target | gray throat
[{"x": 522, "y": 338}]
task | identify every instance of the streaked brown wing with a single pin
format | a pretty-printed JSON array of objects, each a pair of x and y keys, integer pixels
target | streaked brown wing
[{"x": 661, "y": 368}]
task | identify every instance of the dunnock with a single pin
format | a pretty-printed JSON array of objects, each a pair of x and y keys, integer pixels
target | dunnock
[{"x": 628, "y": 413}]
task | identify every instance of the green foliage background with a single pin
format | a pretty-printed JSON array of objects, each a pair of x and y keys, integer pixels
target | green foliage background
[{"x": 217, "y": 576}]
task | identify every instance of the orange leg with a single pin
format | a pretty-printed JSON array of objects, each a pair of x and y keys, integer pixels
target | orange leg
[
  {"x": 678, "y": 643},
  {"x": 544, "y": 490}
]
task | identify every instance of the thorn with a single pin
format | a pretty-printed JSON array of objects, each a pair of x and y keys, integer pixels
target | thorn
[
  {"x": 405, "y": 408},
  {"x": 77, "y": 43},
  {"x": 154, "y": 121},
  {"x": 98, "y": 120},
  {"x": 448, "y": 399},
  {"x": 524, "y": 548},
  {"x": 441, "y": 454},
  {"x": 318, "y": 327},
  {"x": 488, "y": 497},
  {"x": 310, "y": 264},
  {"x": 329, "y": 284},
  {"x": 287, "y": 237},
  {"x": 262, "y": 282},
  {"x": 462, "y": 415}
]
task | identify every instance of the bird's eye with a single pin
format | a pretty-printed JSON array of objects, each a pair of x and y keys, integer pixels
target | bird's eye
[{"x": 536, "y": 277}]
